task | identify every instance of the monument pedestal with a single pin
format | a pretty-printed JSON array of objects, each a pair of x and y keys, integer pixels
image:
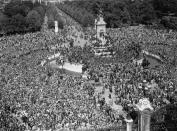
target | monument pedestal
[
  {"x": 129, "y": 124},
  {"x": 144, "y": 121},
  {"x": 56, "y": 26},
  {"x": 145, "y": 111}
]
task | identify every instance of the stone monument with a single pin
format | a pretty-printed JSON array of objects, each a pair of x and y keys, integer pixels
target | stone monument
[
  {"x": 100, "y": 27},
  {"x": 56, "y": 26},
  {"x": 145, "y": 110},
  {"x": 129, "y": 122}
]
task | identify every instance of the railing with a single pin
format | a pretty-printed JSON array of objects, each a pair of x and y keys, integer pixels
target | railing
[
  {"x": 120, "y": 128},
  {"x": 164, "y": 127},
  {"x": 158, "y": 127}
]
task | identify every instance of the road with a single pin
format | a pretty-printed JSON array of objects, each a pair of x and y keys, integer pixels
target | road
[{"x": 74, "y": 29}]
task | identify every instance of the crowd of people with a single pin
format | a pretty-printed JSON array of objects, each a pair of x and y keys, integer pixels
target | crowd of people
[
  {"x": 52, "y": 99},
  {"x": 131, "y": 82},
  {"x": 152, "y": 40},
  {"x": 26, "y": 87}
]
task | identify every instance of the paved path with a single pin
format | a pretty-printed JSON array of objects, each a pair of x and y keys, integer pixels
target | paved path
[
  {"x": 74, "y": 29},
  {"x": 110, "y": 102}
]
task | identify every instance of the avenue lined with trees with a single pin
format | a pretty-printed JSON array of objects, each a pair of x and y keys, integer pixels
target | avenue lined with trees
[{"x": 123, "y": 12}]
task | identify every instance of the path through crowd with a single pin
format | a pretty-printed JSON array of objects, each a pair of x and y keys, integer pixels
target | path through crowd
[
  {"x": 109, "y": 100},
  {"x": 74, "y": 30}
]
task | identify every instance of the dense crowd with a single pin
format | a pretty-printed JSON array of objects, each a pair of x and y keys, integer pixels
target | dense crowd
[
  {"x": 155, "y": 41},
  {"x": 31, "y": 87},
  {"x": 131, "y": 82},
  {"x": 52, "y": 99}
]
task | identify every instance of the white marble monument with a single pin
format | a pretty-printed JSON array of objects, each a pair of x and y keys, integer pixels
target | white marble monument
[
  {"x": 129, "y": 124},
  {"x": 56, "y": 26},
  {"x": 145, "y": 110},
  {"x": 100, "y": 27}
]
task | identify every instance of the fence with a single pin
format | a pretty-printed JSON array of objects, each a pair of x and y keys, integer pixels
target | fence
[
  {"x": 120, "y": 128},
  {"x": 164, "y": 127}
]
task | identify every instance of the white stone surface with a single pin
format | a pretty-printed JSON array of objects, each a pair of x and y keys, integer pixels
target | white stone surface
[
  {"x": 56, "y": 26},
  {"x": 144, "y": 104},
  {"x": 129, "y": 124},
  {"x": 54, "y": 56},
  {"x": 72, "y": 67}
]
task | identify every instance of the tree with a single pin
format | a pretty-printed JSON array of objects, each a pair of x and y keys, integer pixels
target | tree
[
  {"x": 41, "y": 11},
  {"x": 2, "y": 19},
  {"x": 14, "y": 8},
  {"x": 88, "y": 19},
  {"x": 19, "y": 22},
  {"x": 169, "y": 22},
  {"x": 165, "y": 6},
  {"x": 34, "y": 20},
  {"x": 7, "y": 26},
  {"x": 141, "y": 12},
  {"x": 60, "y": 21},
  {"x": 11, "y": 9},
  {"x": 24, "y": 10},
  {"x": 51, "y": 21}
]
